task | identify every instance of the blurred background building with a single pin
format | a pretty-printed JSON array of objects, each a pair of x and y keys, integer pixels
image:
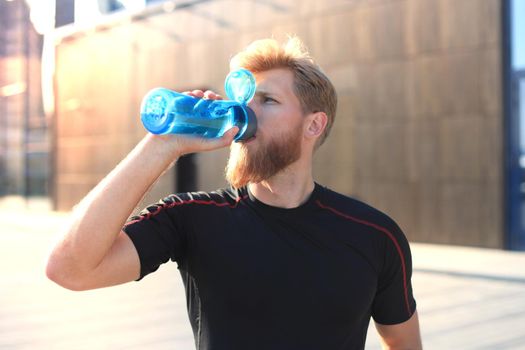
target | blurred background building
[
  {"x": 24, "y": 137},
  {"x": 430, "y": 125}
]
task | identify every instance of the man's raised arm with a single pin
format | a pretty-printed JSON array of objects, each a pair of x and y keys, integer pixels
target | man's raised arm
[{"x": 94, "y": 252}]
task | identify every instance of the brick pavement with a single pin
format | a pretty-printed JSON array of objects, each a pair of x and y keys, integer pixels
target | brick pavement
[{"x": 467, "y": 298}]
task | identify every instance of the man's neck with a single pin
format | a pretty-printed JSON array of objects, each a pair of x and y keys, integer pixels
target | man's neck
[{"x": 288, "y": 189}]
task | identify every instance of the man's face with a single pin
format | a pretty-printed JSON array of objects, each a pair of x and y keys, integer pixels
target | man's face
[{"x": 279, "y": 133}]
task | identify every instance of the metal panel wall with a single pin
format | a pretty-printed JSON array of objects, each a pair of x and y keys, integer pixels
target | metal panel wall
[{"x": 419, "y": 125}]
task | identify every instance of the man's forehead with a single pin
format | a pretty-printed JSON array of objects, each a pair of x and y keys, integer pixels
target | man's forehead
[{"x": 274, "y": 81}]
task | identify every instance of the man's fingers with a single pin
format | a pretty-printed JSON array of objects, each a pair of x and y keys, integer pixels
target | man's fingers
[
  {"x": 194, "y": 143},
  {"x": 228, "y": 136},
  {"x": 232, "y": 132},
  {"x": 194, "y": 93},
  {"x": 208, "y": 94},
  {"x": 198, "y": 93},
  {"x": 216, "y": 143},
  {"x": 212, "y": 95}
]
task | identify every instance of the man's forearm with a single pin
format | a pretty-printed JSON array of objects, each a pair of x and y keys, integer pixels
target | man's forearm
[
  {"x": 92, "y": 253},
  {"x": 99, "y": 217},
  {"x": 402, "y": 336}
]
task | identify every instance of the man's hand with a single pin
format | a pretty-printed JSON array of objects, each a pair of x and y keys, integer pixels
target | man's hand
[{"x": 183, "y": 144}]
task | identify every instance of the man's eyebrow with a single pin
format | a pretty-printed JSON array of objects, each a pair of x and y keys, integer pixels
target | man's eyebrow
[{"x": 264, "y": 93}]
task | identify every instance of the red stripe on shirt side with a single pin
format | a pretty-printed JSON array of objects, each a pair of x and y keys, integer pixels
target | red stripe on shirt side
[
  {"x": 175, "y": 203},
  {"x": 385, "y": 231}
]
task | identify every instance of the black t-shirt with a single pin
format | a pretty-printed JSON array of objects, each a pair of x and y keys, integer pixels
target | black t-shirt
[{"x": 262, "y": 277}]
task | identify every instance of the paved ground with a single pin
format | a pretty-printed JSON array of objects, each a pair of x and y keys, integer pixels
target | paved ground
[{"x": 467, "y": 298}]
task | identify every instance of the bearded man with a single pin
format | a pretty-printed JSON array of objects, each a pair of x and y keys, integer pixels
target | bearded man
[{"x": 275, "y": 261}]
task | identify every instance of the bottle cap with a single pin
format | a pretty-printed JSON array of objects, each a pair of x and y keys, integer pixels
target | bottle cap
[
  {"x": 250, "y": 126},
  {"x": 240, "y": 85}
]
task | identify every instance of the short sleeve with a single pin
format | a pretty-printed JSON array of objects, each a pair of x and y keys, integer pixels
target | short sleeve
[
  {"x": 394, "y": 302},
  {"x": 158, "y": 235}
]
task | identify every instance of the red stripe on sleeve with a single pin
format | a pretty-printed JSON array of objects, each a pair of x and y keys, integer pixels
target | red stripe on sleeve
[{"x": 176, "y": 203}]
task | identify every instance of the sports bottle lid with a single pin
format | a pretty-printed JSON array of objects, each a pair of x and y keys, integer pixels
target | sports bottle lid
[
  {"x": 240, "y": 85},
  {"x": 250, "y": 127}
]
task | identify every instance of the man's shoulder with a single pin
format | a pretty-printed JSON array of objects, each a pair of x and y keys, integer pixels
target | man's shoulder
[
  {"x": 220, "y": 197},
  {"x": 352, "y": 208}
]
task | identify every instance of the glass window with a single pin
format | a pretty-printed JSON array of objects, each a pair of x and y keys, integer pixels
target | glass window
[
  {"x": 518, "y": 34},
  {"x": 515, "y": 133}
]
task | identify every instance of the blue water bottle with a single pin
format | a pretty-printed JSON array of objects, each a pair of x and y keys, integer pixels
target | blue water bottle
[{"x": 165, "y": 111}]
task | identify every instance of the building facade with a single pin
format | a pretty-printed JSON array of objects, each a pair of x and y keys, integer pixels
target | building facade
[
  {"x": 420, "y": 125},
  {"x": 24, "y": 137}
]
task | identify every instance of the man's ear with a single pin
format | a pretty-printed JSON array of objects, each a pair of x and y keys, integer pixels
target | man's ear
[{"x": 315, "y": 124}]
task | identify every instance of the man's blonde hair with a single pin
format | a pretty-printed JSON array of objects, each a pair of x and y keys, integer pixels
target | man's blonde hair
[{"x": 311, "y": 86}]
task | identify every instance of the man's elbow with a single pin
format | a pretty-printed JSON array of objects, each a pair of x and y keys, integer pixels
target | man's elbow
[{"x": 57, "y": 272}]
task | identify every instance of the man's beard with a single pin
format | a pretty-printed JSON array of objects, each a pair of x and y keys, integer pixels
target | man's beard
[{"x": 263, "y": 162}]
